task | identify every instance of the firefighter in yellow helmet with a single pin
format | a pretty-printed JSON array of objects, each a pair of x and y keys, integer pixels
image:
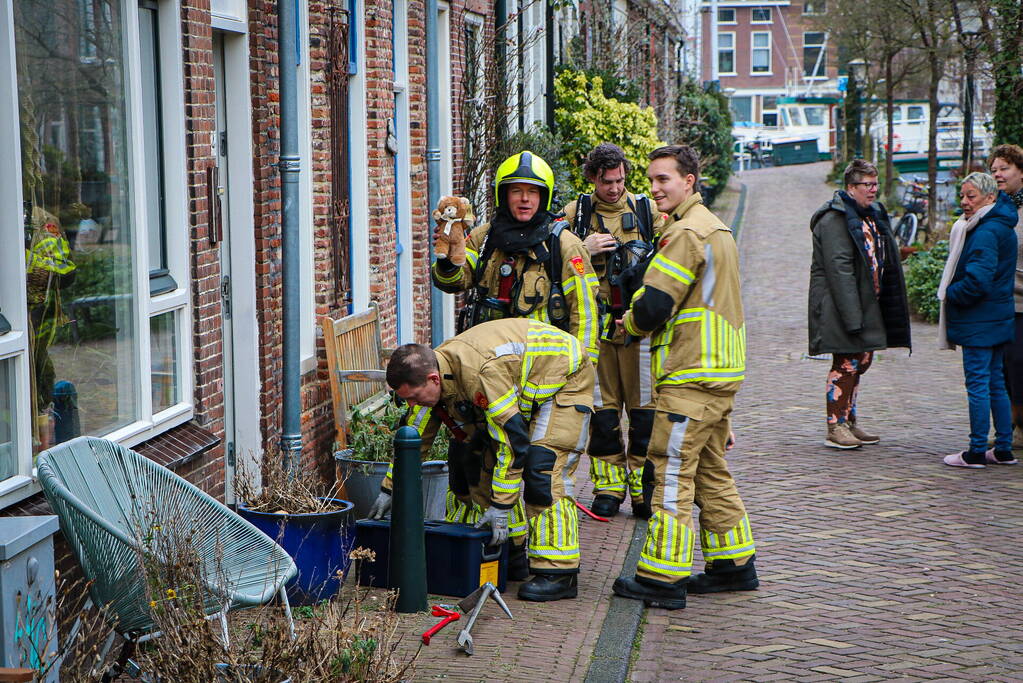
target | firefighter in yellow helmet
[
  {"x": 691, "y": 304},
  {"x": 527, "y": 388},
  {"x": 525, "y": 263},
  {"x": 618, "y": 229}
]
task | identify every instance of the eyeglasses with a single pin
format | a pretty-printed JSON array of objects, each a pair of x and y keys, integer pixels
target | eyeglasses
[{"x": 871, "y": 186}]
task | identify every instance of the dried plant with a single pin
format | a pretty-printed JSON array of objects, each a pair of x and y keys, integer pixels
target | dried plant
[{"x": 280, "y": 491}]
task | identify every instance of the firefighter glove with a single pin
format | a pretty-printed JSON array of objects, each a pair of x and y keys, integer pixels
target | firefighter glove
[
  {"x": 497, "y": 520},
  {"x": 381, "y": 506}
]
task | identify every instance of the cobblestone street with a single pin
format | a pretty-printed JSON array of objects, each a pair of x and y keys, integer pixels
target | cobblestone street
[{"x": 875, "y": 564}]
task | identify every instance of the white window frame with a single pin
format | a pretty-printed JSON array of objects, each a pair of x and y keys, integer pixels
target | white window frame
[
  {"x": 824, "y": 47},
  {"x": 813, "y": 5},
  {"x": 726, "y": 22},
  {"x": 764, "y": 109},
  {"x": 770, "y": 15},
  {"x": 735, "y": 65},
  {"x": 753, "y": 49},
  {"x": 14, "y": 346}
]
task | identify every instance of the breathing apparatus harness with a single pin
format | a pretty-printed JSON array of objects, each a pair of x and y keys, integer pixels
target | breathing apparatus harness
[
  {"x": 627, "y": 263},
  {"x": 481, "y": 305}
]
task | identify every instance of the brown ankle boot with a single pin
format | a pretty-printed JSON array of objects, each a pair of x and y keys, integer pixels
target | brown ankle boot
[
  {"x": 839, "y": 436},
  {"x": 862, "y": 435}
]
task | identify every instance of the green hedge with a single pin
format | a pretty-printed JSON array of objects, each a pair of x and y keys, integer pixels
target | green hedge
[
  {"x": 923, "y": 275},
  {"x": 702, "y": 120}
]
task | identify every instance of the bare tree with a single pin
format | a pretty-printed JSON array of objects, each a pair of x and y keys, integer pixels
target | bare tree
[{"x": 933, "y": 28}]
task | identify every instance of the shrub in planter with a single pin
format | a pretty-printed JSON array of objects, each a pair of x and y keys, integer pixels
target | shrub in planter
[
  {"x": 363, "y": 465},
  {"x": 923, "y": 275}
]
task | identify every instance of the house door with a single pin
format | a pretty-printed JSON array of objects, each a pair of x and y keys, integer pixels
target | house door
[{"x": 220, "y": 224}]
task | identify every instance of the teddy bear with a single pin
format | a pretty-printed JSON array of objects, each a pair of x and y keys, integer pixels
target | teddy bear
[{"x": 454, "y": 221}]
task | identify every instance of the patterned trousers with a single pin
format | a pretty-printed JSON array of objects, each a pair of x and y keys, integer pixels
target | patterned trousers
[{"x": 844, "y": 384}]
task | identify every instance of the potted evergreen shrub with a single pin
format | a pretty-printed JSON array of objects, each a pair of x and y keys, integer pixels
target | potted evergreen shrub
[{"x": 363, "y": 465}]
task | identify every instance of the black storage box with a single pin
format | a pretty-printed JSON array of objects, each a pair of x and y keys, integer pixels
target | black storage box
[{"x": 458, "y": 561}]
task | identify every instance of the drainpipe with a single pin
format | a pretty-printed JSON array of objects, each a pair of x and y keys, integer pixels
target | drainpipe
[
  {"x": 290, "y": 163},
  {"x": 433, "y": 154},
  {"x": 549, "y": 55}
]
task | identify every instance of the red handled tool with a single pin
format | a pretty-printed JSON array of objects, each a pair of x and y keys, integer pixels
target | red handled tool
[
  {"x": 440, "y": 611},
  {"x": 590, "y": 512}
]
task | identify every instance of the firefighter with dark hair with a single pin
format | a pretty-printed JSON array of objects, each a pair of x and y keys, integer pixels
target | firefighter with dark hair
[
  {"x": 691, "y": 306},
  {"x": 618, "y": 229},
  {"x": 525, "y": 263},
  {"x": 522, "y": 390}
]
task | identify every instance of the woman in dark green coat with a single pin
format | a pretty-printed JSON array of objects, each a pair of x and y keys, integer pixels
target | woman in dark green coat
[{"x": 857, "y": 301}]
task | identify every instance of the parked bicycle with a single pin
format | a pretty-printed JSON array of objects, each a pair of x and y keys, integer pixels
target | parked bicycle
[{"x": 914, "y": 203}]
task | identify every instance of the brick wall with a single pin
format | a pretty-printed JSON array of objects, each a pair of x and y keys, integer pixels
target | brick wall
[{"x": 200, "y": 122}]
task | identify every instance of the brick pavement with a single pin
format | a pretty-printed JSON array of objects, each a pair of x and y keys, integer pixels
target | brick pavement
[
  {"x": 872, "y": 562},
  {"x": 876, "y": 564}
]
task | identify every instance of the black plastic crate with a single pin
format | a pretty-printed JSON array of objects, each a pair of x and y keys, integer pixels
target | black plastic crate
[{"x": 458, "y": 560}]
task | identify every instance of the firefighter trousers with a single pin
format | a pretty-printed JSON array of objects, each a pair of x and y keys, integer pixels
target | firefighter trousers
[
  {"x": 558, "y": 433},
  {"x": 687, "y": 451},
  {"x": 624, "y": 385}
]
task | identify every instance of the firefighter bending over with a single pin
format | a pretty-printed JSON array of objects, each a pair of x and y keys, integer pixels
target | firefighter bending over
[{"x": 517, "y": 395}]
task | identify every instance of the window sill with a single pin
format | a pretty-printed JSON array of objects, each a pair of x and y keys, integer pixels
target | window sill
[
  {"x": 761, "y": 73},
  {"x": 17, "y": 488}
]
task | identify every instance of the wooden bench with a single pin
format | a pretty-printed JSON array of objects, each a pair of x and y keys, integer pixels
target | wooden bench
[{"x": 356, "y": 361}]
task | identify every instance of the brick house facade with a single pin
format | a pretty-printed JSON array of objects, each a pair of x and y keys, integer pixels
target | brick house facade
[{"x": 781, "y": 62}]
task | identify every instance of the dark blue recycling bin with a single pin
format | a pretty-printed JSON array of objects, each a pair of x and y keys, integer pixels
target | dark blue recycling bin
[
  {"x": 458, "y": 558},
  {"x": 318, "y": 542}
]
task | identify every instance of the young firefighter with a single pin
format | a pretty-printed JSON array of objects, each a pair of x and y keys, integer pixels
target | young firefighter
[
  {"x": 691, "y": 305},
  {"x": 528, "y": 387},
  {"x": 618, "y": 229}
]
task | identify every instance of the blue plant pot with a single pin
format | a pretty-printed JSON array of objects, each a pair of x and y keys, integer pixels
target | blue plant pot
[{"x": 319, "y": 542}]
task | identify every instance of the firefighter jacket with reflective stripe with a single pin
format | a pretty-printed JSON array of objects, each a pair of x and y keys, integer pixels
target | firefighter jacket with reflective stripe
[
  {"x": 607, "y": 218},
  {"x": 498, "y": 372},
  {"x": 578, "y": 282},
  {"x": 691, "y": 304}
]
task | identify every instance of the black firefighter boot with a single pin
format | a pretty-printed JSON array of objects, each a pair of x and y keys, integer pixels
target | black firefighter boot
[
  {"x": 547, "y": 587},
  {"x": 652, "y": 593},
  {"x": 518, "y": 562},
  {"x": 725, "y": 575},
  {"x": 605, "y": 505}
]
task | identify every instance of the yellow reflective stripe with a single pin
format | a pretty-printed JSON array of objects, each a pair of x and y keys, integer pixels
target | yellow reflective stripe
[
  {"x": 501, "y": 404},
  {"x": 501, "y": 482},
  {"x": 735, "y": 543},
  {"x": 472, "y": 257},
  {"x": 457, "y": 511},
  {"x": 605, "y": 476},
  {"x": 52, "y": 254},
  {"x": 672, "y": 269},
  {"x": 586, "y": 305},
  {"x": 455, "y": 277},
  {"x": 554, "y": 533},
  {"x": 517, "y": 524},
  {"x": 668, "y": 550},
  {"x": 418, "y": 417}
]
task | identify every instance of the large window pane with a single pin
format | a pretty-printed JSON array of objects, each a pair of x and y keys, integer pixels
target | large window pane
[
  {"x": 164, "y": 350},
  {"x": 8, "y": 421},
  {"x": 151, "y": 114},
  {"x": 78, "y": 223}
]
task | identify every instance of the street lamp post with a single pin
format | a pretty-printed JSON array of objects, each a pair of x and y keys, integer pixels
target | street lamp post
[
  {"x": 969, "y": 38},
  {"x": 857, "y": 70}
]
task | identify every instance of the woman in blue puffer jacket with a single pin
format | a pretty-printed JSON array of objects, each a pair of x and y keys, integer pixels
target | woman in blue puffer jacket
[{"x": 977, "y": 313}]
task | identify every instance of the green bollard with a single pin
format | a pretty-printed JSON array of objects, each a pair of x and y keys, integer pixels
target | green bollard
[{"x": 408, "y": 541}]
